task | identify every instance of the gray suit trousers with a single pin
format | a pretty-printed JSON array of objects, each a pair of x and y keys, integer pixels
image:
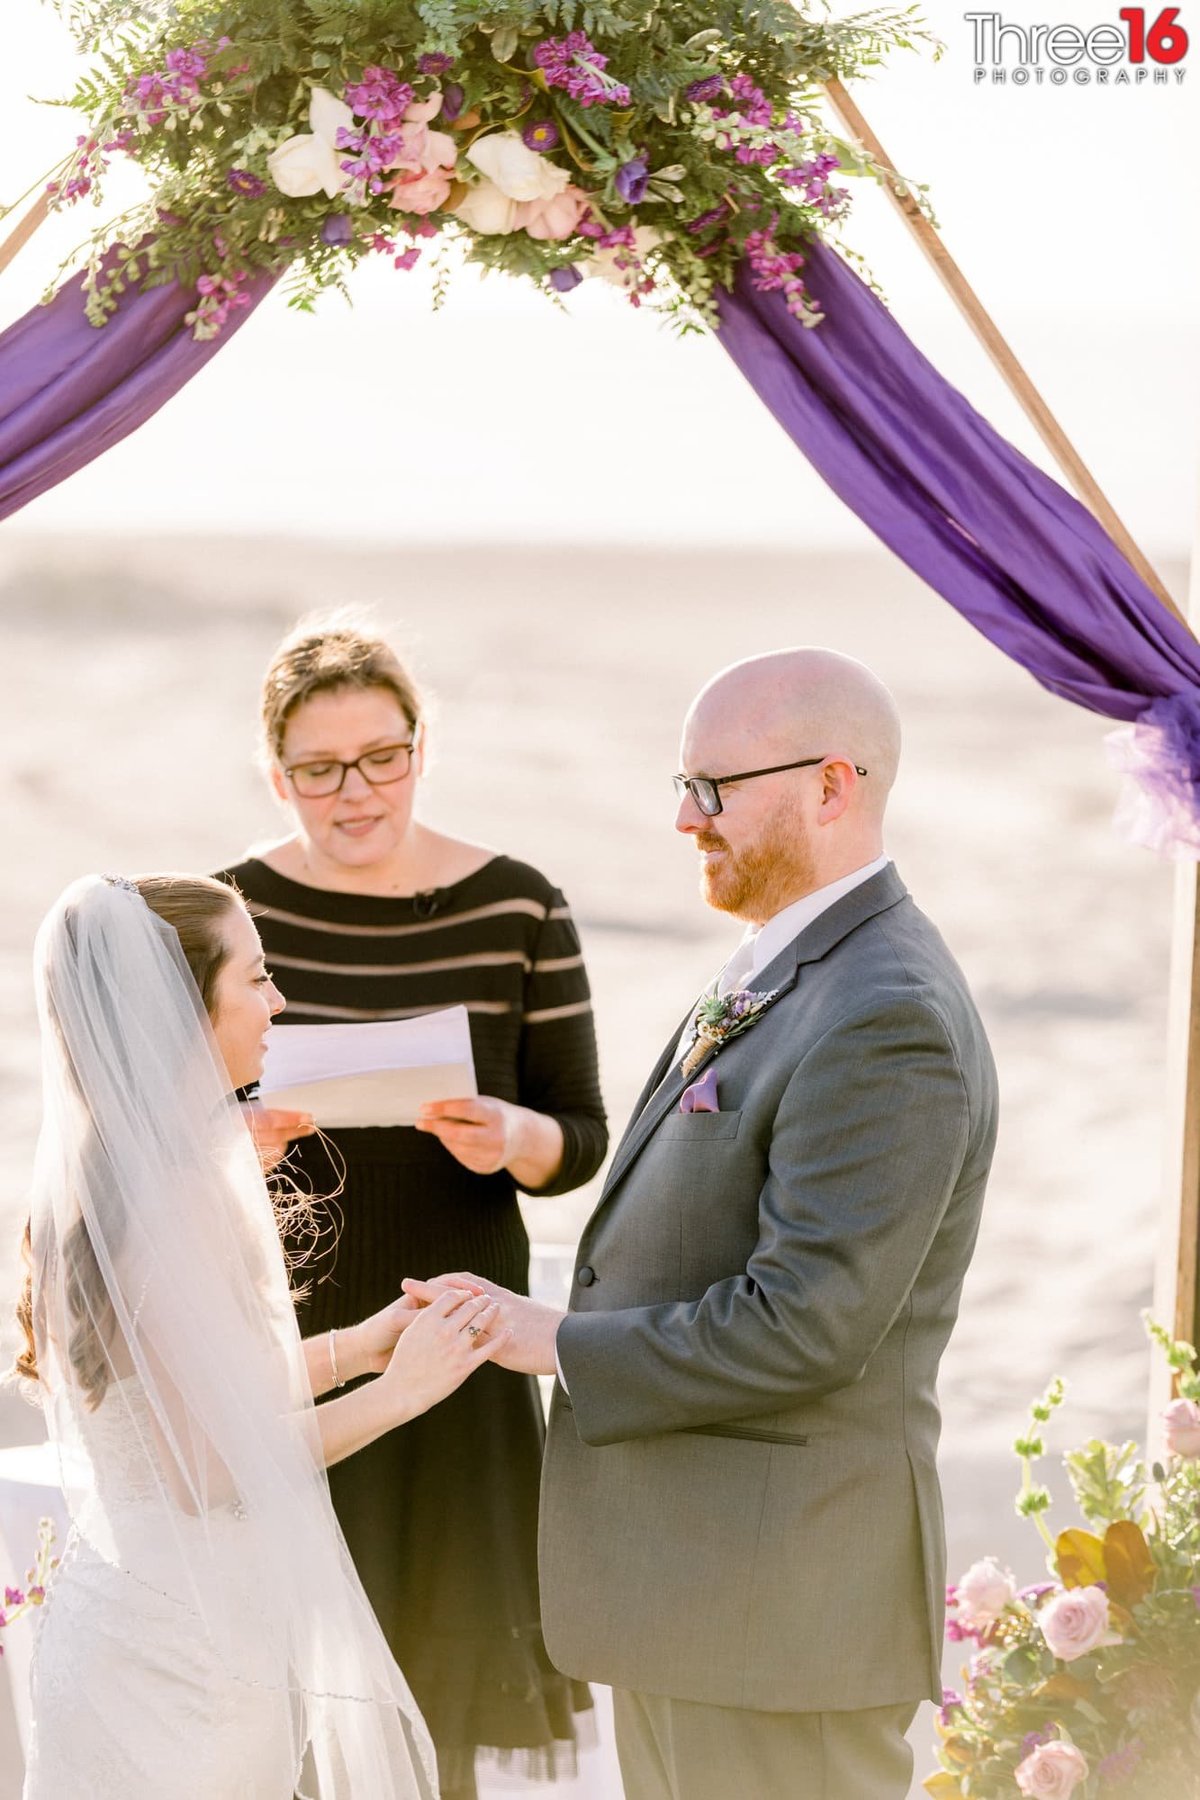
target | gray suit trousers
[{"x": 681, "y": 1750}]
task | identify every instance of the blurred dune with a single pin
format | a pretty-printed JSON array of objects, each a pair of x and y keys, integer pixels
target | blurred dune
[{"x": 561, "y": 677}]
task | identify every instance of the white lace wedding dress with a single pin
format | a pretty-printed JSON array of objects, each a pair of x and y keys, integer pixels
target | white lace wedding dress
[{"x": 131, "y": 1700}]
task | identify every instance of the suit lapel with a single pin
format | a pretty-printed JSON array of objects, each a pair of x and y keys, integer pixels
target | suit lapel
[
  {"x": 665, "y": 1087},
  {"x": 780, "y": 975}
]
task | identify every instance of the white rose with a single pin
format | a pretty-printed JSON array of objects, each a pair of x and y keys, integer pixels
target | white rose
[
  {"x": 327, "y": 114},
  {"x": 519, "y": 172},
  {"x": 983, "y": 1593},
  {"x": 487, "y": 210},
  {"x": 310, "y": 162},
  {"x": 304, "y": 165},
  {"x": 604, "y": 262}
]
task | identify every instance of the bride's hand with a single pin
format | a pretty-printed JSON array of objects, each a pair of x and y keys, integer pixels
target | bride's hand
[
  {"x": 437, "y": 1350},
  {"x": 375, "y": 1338}
]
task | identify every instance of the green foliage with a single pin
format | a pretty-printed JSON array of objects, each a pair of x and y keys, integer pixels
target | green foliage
[
  {"x": 722, "y": 184},
  {"x": 1129, "y": 1702},
  {"x": 1108, "y": 1480}
]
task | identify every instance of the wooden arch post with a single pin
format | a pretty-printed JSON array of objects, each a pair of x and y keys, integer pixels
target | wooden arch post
[{"x": 1177, "y": 1273}]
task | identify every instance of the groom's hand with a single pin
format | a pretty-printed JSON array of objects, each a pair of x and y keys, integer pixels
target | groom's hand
[{"x": 530, "y": 1350}]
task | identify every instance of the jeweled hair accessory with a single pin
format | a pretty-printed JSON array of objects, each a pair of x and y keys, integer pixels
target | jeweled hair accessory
[{"x": 122, "y": 881}]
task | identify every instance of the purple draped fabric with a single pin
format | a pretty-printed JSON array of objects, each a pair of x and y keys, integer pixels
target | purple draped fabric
[
  {"x": 1010, "y": 549},
  {"x": 68, "y": 391},
  {"x": 997, "y": 538}
]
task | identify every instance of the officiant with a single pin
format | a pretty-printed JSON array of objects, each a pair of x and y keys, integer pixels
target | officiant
[{"x": 368, "y": 913}]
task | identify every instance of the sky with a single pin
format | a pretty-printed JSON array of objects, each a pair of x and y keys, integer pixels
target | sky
[{"x": 1070, "y": 209}]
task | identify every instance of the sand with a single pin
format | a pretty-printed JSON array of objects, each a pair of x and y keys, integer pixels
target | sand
[{"x": 128, "y": 744}]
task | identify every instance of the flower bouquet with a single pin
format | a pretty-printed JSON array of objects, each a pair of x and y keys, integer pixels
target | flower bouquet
[
  {"x": 22, "y": 1600},
  {"x": 654, "y": 144},
  {"x": 1088, "y": 1685}
]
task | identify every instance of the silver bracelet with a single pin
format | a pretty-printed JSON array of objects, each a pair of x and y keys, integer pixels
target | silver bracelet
[{"x": 337, "y": 1380}]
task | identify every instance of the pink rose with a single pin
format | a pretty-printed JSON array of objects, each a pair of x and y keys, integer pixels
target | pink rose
[
  {"x": 1181, "y": 1421},
  {"x": 554, "y": 218},
  {"x": 440, "y": 151},
  {"x": 983, "y": 1593},
  {"x": 421, "y": 191},
  {"x": 421, "y": 111},
  {"x": 411, "y": 154},
  {"x": 1052, "y": 1771},
  {"x": 1075, "y": 1622}
]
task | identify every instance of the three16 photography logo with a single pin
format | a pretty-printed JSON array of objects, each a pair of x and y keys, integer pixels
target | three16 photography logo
[{"x": 1139, "y": 46}]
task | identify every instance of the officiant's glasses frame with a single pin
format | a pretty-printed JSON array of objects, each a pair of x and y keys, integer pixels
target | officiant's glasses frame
[
  {"x": 321, "y": 778},
  {"x": 706, "y": 789}
]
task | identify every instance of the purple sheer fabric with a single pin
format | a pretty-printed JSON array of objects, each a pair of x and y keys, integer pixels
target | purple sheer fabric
[
  {"x": 1007, "y": 546},
  {"x": 68, "y": 391},
  {"x": 997, "y": 538}
]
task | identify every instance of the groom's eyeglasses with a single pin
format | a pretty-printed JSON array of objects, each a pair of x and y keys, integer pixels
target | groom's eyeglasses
[
  {"x": 318, "y": 780},
  {"x": 706, "y": 789}
]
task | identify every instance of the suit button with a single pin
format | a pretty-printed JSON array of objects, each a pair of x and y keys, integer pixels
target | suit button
[{"x": 586, "y": 1276}]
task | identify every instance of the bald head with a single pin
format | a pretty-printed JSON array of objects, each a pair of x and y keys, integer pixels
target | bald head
[
  {"x": 816, "y": 739},
  {"x": 806, "y": 702}
]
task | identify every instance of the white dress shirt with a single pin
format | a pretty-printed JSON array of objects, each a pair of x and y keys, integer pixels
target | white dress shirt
[{"x": 765, "y": 941}]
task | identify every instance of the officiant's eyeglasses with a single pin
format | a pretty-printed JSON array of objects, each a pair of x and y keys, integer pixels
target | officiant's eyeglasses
[
  {"x": 386, "y": 763},
  {"x": 706, "y": 789}
]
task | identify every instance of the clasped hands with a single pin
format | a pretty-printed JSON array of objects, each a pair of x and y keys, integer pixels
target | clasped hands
[{"x": 521, "y": 1331}]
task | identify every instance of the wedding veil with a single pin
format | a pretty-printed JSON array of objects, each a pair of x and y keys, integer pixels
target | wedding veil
[{"x": 170, "y": 1360}]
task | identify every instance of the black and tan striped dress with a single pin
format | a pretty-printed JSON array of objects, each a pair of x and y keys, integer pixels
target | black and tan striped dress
[{"x": 441, "y": 1516}]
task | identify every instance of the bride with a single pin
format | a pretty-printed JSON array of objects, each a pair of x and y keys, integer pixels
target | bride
[{"x": 205, "y": 1628}]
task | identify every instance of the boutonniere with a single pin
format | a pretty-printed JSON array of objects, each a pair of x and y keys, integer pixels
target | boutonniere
[{"x": 721, "y": 1017}]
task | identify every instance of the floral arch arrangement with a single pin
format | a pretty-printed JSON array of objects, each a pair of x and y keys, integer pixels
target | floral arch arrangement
[{"x": 656, "y": 143}]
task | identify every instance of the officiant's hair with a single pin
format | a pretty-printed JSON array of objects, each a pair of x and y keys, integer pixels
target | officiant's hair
[
  {"x": 325, "y": 652},
  {"x": 195, "y": 906}
]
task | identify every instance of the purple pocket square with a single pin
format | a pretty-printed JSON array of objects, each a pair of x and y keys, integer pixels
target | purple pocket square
[{"x": 702, "y": 1095}]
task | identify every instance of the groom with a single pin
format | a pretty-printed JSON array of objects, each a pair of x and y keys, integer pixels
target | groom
[{"x": 741, "y": 1523}]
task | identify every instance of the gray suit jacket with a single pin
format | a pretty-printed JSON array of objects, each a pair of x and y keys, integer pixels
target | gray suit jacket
[{"x": 740, "y": 1503}]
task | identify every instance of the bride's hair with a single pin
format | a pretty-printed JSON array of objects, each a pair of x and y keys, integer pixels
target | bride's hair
[{"x": 196, "y": 907}]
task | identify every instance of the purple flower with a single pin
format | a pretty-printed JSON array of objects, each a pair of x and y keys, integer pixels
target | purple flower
[
  {"x": 1033, "y": 1739},
  {"x": 379, "y": 95},
  {"x": 243, "y": 181},
  {"x": 435, "y": 62},
  {"x": 563, "y": 280},
  {"x": 1120, "y": 1764},
  {"x": 407, "y": 258},
  {"x": 761, "y": 154},
  {"x": 632, "y": 180},
  {"x": 752, "y": 104},
  {"x": 338, "y": 228},
  {"x": 188, "y": 63},
  {"x": 951, "y": 1703},
  {"x": 575, "y": 64},
  {"x": 1039, "y": 1589},
  {"x": 382, "y": 151},
  {"x": 716, "y": 215},
  {"x": 709, "y": 87},
  {"x": 542, "y": 134},
  {"x": 452, "y": 102},
  {"x": 13, "y": 1597}
]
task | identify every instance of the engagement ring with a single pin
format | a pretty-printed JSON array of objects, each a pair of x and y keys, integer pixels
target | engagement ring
[{"x": 475, "y": 1330}]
